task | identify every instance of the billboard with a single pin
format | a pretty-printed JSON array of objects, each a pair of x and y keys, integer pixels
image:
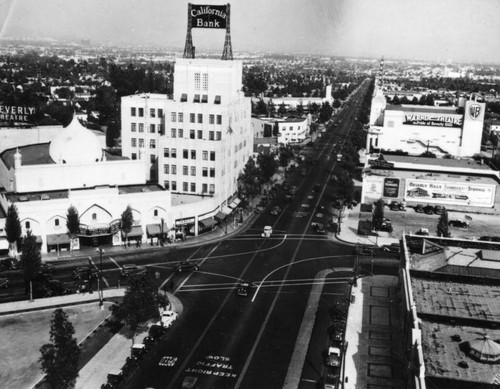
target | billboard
[
  {"x": 208, "y": 16},
  {"x": 443, "y": 192},
  {"x": 433, "y": 120},
  {"x": 391, "y": 187},
  {"x": 15, "y": 113},
  {"x": 372, "y": 187}
]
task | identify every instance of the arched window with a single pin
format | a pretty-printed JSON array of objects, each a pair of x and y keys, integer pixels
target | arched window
[
  {"x": 56, "y": 222},
  {"x": 155, "y": 212},
  {"x": 94, "y": 216},
  {"x": 27, "y": 225}
]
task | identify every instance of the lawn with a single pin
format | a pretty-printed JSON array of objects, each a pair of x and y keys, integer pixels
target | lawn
[{"x": 22, "y": 335}]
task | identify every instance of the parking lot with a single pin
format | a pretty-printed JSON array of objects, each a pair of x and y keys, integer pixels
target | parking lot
[{"x": 410, "y": 221}]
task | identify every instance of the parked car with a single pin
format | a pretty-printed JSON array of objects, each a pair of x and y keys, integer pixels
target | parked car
[
  {"x": 438, "y": 209},
  {"x": 186, "y": 266},
  {"x": 130, "y": 269},
  {"x": 275, "y": 211},
  {"x": 423, "y": 232},
  {"x": 419, "y": 208},
  {"x": 386, "y": 228},
  {"x": 365, "y": 251},
  {"x": 397, "y": 206},
  {"x": 167, "y": 318},
  {"x": 392, "y": 248},
  {"x": 458, "y": 224},
  {"x": 268, "y": 230},
  {"x": 84, "y": 273},
  {"x": 429, "y": 210},
  {"x": 318, "y": 227},
  {"x": 333, "y": 357}
]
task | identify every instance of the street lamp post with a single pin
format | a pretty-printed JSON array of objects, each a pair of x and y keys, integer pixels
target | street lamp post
[{"x": 99, "y": 280}]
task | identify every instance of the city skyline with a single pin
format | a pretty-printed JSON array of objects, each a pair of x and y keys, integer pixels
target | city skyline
[{"x": 442, "y": 30}]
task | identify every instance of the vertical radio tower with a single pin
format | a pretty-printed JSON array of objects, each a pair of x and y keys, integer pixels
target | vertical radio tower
[
  {"x": 227, "y": 52},
  {"x": 188, "y": 47}
]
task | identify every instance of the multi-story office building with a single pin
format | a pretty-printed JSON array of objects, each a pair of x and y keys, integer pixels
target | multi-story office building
[{"x": 198, "y": 140}]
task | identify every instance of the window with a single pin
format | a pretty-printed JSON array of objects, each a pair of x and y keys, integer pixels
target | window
[
  {"x": 166, "y": 169},
  {"x": 196, "y": 99},
  {"x": 219, "y": 135},
  {"x": 160, "y": 129},
  {"x": 184, "y": 97},
  {"x": 212, "y": 172},
  {"x": 191, "y": 118},
  {"x": 193, "y": 187},
  {"x": 27, "y": 225},
  {"x": 56, "y": 222},
  {"x": 174, "y": 185},
  {"x": 219, "y": 119},
  {"x": 200, "y": 118},
  {"x": 185, "y": 153},
  {"x": 173, "y": 133},
  {"x": 173, "y": 169},
  {"x": 197, "y": 81},
  {"x": 210, "y": 135},
  {"x": 152, "y": 112},
  {"x": 191, "y": 134},
  {"x": 133, "y": 142},
  {"x": 181, "y": 117},
  {"x": 133, "y": 111},
  {"x": 152, "y": 128},
  {"x": 133, "y": 127},
  {"x": 181, "y": 133},
  {"x": 204, "y": 172},
  {"x": 134, "y": 156},
  {"x": 204, "y": 98},
  {"x": 141, "y": 127},
  {"x": 173, "y": 117},
  {"x": 141, "y": 142},
  {"x": 141, "y": 112},
  {"x": 185, "y": 170},
  {"x": 200, "y": 134},
  {"x": 212, "y": 189},
  {"x": 212, "y": 156},
  {"x": 152, "y": 144},
  {"x": 94, "y": 216},
  {"x": 204, "y": 188},
  {"x": 217, "y": 100},
  {"x": 166, "y": 185},
  {"x": 205, "y": 81},
  {"x": 204, "y": 155},
  {"x": 160, "y": 112},
  {"x": 193, "y": 154},
  {"x": 173, "y": 153},
  {"x": 211, "y": 119},
  {"x": 193, "y": 171},
  {"x": 152, "y": 158},
  {"x": 155, "y": 213},
  {"x": 185, "y": 186}
]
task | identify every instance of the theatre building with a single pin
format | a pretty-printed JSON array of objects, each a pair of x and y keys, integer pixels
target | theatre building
[
  {"x": 462, "y": 185},
  {"x": 415, "y": 129},
  {"x": 44, "y": 180}
]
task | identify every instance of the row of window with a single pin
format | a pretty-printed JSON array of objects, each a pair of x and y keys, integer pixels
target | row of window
[
  {"x": 189, "y": 187},
  {"x": 172, "y": 153},
  {"x": 189, "y": 170},
  {"x": 153, "y": 112},
  {"x": 133, "y": 143},
  {"x": 195, "y": 134},
  {"x": 152, "y": 128}
]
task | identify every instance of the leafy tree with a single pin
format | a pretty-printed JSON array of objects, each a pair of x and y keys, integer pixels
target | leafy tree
[
  {"x": 73, "y": 221},
  {"x": 60, "y": 357},
  {"x": 300, "y": 109},
  {"x": 442, "y": 226},
  {"x": 248, "y": 179},
  {"x": 267, "y": 165},
  {"x": 378, "y": 214},
  {"x": 271, "y": 108},
  {"x": 140, "y": 303},
  {"x": 127, "y": 221},
  {"x": 336, "y": 104},
  {"x": 260, "y": 108},
  {"x": 285, "y": 155},
  {"x": 113, "y": 132},
  {"x": 282, "y": 109},
  {"x": 31, "y": 258},
  {"x": 13, "y": 229},
  {"x": 326, "y": 112},
  {"x": 395, "y": 100}
]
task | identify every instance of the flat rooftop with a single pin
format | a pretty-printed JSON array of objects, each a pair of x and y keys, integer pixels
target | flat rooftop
[
  {"x": 442, "y": 354},
  {"x": 423, "y": 109},
  {"x": 444, "y": 162},
  {"x": 140, "y": 188},
  {"x": 178, "y": 199}
]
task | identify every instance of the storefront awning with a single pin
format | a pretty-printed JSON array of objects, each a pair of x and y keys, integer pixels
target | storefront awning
[
  {"x": 209, "y": 223},
  {"x": 155, "y": 229},
  {"x": 234, "y": 203},
  {"x": 55, "y": 239},
  {"x": 136, "y": 232},
  {"x": 227, "y": 210},
  {"x": 220, "y": 216}
]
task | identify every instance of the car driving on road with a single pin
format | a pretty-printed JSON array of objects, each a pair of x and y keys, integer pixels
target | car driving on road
[{"x": 186, "y": 266}]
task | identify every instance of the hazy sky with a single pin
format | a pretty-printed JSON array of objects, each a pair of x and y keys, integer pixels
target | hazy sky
[{"x": 458, "y": 30}]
